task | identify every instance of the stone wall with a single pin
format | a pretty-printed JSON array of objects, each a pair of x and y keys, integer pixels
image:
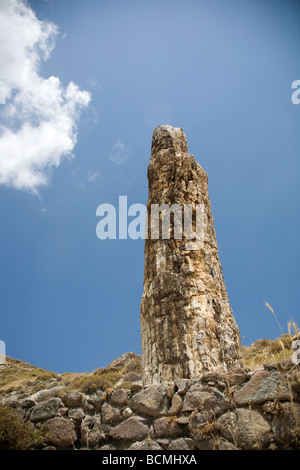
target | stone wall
[{"x": 242, "y": 410}]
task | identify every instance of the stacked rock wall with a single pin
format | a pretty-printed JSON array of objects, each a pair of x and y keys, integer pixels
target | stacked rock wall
[{"x": 241, "y": 410}]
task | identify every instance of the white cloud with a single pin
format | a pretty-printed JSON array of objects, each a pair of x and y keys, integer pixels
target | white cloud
[
  {"x": 120, "y": 153},
  {"x": 93, "y": 82},
  {"x": 40, "y": 116},
  {"x": 93, "y": 176}
]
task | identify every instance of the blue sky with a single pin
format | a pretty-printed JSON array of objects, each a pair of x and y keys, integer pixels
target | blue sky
[{"x": 222, "y": 71}]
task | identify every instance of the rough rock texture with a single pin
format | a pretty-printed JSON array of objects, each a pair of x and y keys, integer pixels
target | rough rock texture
[
  {"x": 60, "y": 432},
  {"x": 245, "y": 428},
  {"x": 204, "y": 413},
  {"x": 187, "y": 325}
]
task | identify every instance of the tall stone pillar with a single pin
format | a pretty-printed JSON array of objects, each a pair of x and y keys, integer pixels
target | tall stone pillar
[{"x": 187, "y": 325}]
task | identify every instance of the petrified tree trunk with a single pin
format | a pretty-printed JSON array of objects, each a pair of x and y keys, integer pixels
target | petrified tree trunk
[{"x": 187, "y": 325}]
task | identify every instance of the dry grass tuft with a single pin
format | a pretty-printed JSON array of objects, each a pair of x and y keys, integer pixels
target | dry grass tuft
[{"x": 263, "y": 351}]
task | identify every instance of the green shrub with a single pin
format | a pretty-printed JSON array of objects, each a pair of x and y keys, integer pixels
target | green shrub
[{"x": 15, "y": 434}]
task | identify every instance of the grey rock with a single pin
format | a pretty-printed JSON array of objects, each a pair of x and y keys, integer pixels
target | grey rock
[
  {"x": 60, "y": 432},
  {"x": 182, "y": 444},
  {"x": 171, "y": 390},
  {"x": 11, "y": 401},
  {"x": 286, "y": 424},
  {"x": 245, "y": 428},
  {"x": 120, "y": 397},
  {"x": 94, "y": 402},
  {"x": 136, "y": 387},
  {"x": 63, "y": 411},
  {"x": 91, "y": 433},
  {"x": 176, "y": 405},
  {"x": 166, "y": 427},
  {"x": 134, "y": 428},
  {"x": 205, "y": 399},
  {"x": 77, "y": 414},
  {"x": 223, "y": 444},
  {"x": 46, "y": 394},
  {"x": 182, "y": 385},
  {"x": 147, "y": 444},
  {"x": 199, "y": 419},
  {"x": 72, "y": 399},
  {"x": 183, "y": 420},
  {"x": 110, "y": 414},
  {"x": 263, "y": 386},
  {"x": 27, "y": 403},
  {"x": 108, "y": 447},
  {"x": 45, "y": 410},
  {"x": 150, "y": 401},
  {"x": 236, "y": 377}
]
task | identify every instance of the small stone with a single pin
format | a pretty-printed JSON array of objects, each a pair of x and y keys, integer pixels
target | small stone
[
  {"x": 60, "y": 432},
  {"x": 198, "y": 420},
  {"x": 183, "y": 420},
  {"x": 91, "y": 433},
  {"x": 77, "y": 414},
  {"x": 72, "y": 399},
  {"x": 150, "y": 401},
  {"x": 223, "y": 444},
  {"x": 88, "y": 408},
  {"x": 127, "y": 413},
  {"x": 171, "y": 390},
  {"x": 134, "y": 428},
  {"x": 286, "y": 423},
  {"x": 109, "y": 414},
  {"x": 204, "y": 444},
  {"x": 136, "y": 387},
  {"x": 237, "y": 377},
  {"x": 263, "y": 386},
  {"x": 147, "y": 444},
  {"x": 27, "y": 403},
  {"x": 12, "y": 401},
  {"x": 45, "y": 410},
  {"x": 182, "y": 385},
  {"x": 176, "y": 405},
  {"x": 63, "y": 411},
  {"x": 182, "y": 444},
  {"x": 120, "y": 397},
  {"x": 205, "y": 399},
  {"x": 163, "y": 442},
  {"x": 108, "y": 447},
  {"x": 166, "y": 427},
  {"x": 245, "y": 428},
  {"x": 96, "y": 401}
]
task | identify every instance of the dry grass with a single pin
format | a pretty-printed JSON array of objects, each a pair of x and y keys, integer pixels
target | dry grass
[
  {"x": 264, "y": 351},
  {"x": 23, "y": 377},
  {"x": 18, "y": 375}
]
